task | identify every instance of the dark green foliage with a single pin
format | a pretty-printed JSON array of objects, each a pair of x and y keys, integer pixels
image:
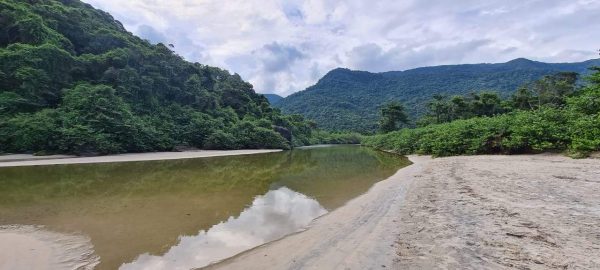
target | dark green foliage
[
  {"x": 574, "y": 127},
  {"x": 31, "y": 132},
  {"x": 518, "y": 132},
  {"x": 72, "y": 79},
  {"x": 11, "y": 103},
  {"x": 349, "y": 100},
  {"x": 250, "y": 135},
  {"x": 391, "y": 113},
  {"x": 443, "y": 110},
  {"x": 98, "y": 112},
  {"x": 551, "y": 90},
  {"x": 220, "y": 140}
]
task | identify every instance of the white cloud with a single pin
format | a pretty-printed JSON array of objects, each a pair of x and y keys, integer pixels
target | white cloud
[
  {"x": 270, "y": 217},
  {"x": 283, "y": 46}
]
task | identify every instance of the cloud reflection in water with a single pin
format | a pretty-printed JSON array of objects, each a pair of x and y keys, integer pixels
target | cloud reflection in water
[{"x": 271, "y": 216}]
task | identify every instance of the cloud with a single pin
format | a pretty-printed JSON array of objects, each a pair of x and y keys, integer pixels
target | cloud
[
  {"x": 269, "y": 217},
  {"x": 276, "y": 57},
  {"x": 149, "y": 33},
  {"x": 283, "y": 46},
  {"x": 372, "y": 57}
]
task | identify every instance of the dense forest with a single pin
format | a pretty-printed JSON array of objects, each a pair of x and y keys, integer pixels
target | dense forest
[
  {"x": 550, "y": 114},
  {"x": 73, "y": 80},
  {"x": 349, "y": 100}
]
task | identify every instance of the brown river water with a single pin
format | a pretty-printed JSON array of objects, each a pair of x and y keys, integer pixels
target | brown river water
[{"x": 183, "y": 214}]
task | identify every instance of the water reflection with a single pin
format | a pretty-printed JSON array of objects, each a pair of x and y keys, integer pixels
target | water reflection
[
  {"x": 272, "y": 216},
  {"x": 134, "y": 208}
]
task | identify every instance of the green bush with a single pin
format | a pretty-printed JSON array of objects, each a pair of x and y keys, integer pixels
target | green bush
[
  {"x": 539, "y": 130},
  {"x": 546, "y": 129},
  {"x": 251, "y": 136},
  {"x": 80, "y": 139},
  {"x": 585, "y": 132},
  {"x": 220, "y": 140},
  {"x": 572, "y": 125},
  {"x": 31, "y": 132}
]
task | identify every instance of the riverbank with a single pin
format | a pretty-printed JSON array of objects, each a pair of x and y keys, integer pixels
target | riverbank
[
  {"x": 32, "y": 247},
  {"x": 30, "y": 160},
  {"x": 473, "y": 212}
]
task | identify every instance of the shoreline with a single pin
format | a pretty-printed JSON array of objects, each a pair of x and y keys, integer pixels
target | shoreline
[
  {"x": 33, "y": 247},
  {"x": 467, "y": 212},
  {"x": 354, "y": 236},
  {"x": 21, "y": 160}
]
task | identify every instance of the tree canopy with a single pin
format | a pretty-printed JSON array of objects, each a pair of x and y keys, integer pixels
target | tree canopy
[
  {"x": 392, "y": 114},
  {"x": 72, "y": 79}
]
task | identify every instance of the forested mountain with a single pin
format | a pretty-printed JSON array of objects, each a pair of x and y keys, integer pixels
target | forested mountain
[
  {"x": 72, "y": 79},
  {"x": 273, "y": 98},
  {"x": 349, "y": 100}
]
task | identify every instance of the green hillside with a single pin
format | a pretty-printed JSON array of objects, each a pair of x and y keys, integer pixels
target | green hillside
[
  {"x": 349, "y": 100},
  {"x": 73, "y": 80}
]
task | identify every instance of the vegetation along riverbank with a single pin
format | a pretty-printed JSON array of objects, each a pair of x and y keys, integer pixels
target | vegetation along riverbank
[{"x": 552, "y": 114}]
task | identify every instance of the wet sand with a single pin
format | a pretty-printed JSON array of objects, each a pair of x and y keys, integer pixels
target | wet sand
[
  {"x": 476, "y": 212},
  {"x": 30, "y": 160},
  {"x": 32, "y": 247}
]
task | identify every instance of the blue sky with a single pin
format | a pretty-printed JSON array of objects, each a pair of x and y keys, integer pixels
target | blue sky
[{"x": 284, "y": 46}]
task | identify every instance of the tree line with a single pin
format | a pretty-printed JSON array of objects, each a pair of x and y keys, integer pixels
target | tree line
[
  {"x": 550, "y": 114},
  {"x": 73, "y": 80}
]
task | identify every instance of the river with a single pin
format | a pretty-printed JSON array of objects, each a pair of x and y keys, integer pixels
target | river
[{"x": 182, "y": 214}]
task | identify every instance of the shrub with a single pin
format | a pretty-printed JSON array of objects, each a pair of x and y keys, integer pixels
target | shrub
[
  {"x": 220, "y": 140},
  {"x": 545, "y": 129},
  {"x": 30, "y": 132}
]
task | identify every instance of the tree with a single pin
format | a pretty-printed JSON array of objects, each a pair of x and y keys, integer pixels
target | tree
[
  {"x": 438, "y": 109},
  {"x": 486, "y": 104},
  {"x": 551, "y": 90},
  {"x": 522, "y": 99},
  {"x": 391, "y": 114}
]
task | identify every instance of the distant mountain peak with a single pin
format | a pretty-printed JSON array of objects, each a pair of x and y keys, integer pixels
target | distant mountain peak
[
  {"x": 340, "y": 69},
  {"x": 520, "y": 60},
  {"x": 524, "y": 62},
  {"x": 343, "y": 74}
]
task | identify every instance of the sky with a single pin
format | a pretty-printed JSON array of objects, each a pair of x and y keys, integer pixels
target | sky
[{"x": 285, "y": 46}]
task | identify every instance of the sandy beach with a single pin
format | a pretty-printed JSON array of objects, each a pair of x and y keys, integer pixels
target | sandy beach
[
  {"x": 502, "y": 212},
  {"x": 30, "y": 160},
  {"x": 471, "y": 212},
  {"x": 475, "y": 212}
]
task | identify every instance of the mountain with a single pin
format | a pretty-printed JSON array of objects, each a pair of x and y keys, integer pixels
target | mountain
[
  {"x": 73, "y": 80},
  {"x": 273, "y": 98},
  {"x": 348, "y": 100}
]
